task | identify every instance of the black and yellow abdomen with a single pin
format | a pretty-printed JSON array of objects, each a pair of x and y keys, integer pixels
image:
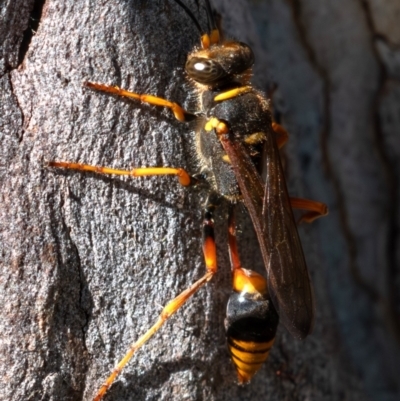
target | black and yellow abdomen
[{"x": 250, "y": 324}]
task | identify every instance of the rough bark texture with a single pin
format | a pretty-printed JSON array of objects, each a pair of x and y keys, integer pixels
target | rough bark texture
[{"x": 87, "y": 260}]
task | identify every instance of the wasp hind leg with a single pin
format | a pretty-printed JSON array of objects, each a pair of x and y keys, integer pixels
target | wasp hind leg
[
  {"x": 210, "y": 257},
  {"x": 179, "y": 113},
  {"x": 282, "y": 136},
  {"x": 314, "y": 209}
]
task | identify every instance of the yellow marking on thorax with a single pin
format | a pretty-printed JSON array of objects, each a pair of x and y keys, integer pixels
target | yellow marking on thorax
[
  {"x": 219, "y": 126},
  {"x": 232, "y": 93},
  {"x": 211, "y": 124},
  {"x": 255, "y": 138}
]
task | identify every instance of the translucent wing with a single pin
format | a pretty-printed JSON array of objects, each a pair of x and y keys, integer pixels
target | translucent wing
[{"x": 269, "y": 207}]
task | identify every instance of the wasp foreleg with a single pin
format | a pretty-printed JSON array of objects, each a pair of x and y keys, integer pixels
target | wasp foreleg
[{"x": 179, "y": 113}]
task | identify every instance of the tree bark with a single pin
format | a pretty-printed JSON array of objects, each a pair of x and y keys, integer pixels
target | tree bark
[{"x": 88, "y": 260}]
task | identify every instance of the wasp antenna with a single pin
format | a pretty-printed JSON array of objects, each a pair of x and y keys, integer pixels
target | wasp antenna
[
  {"x": 190, "y": 14},
  {"x": 214, "y": 32},
  {"x": 207, "y": 38}
]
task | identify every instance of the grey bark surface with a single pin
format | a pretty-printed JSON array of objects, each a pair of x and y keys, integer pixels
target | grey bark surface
[{"x": 88, "y": 260}]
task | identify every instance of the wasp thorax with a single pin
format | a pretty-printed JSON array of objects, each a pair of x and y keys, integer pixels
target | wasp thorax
[{"x": 220, "y": 63}]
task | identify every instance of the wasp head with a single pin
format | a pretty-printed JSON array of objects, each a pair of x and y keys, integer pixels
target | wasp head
[{"x": 221, "y": 64}]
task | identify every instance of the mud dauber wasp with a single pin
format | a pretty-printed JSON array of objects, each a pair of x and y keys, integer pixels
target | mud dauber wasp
[{"x": 237, "y": 146}]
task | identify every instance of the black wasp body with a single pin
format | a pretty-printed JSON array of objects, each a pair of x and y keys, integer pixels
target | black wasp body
[
  {"x": 248, "y": 117},
  {"x": 226, "y": 68},
  {"x": 230, "y": 106},
  {"x": 222, "y": 69},
  {"x": 237, "y": 148}
]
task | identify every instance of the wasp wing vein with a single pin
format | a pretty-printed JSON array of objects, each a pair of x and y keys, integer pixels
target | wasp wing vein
[{"x": 269, "y": 207}]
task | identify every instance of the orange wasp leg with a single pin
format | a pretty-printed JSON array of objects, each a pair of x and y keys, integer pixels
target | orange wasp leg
[
  {"x": 232, "y": 243},
  {"x": 282, "y": 135},
  {"x": 183, "y": 177},
  {"x": 210, "y": 257},
  {"x": 314, "y": 209},
  {"x": 179, "y": 113}
]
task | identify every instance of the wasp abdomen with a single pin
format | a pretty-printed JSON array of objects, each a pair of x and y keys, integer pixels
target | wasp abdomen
[{"x": 250, "y": 324}]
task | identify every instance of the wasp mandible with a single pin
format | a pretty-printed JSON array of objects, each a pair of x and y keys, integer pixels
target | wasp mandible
[{"x": 237, "y": 147}]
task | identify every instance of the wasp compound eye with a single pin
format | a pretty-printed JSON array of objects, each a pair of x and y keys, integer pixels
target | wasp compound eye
[
  {"x": 245, "y": 57},
  {"x": 236, "y": 57},
  {"x": 205, "y": 71}
]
